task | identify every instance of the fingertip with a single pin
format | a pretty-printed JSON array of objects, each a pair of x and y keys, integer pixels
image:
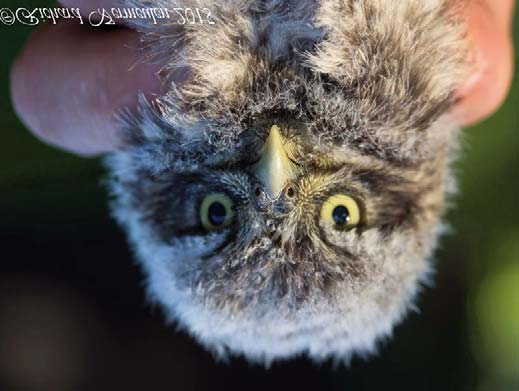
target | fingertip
[
  {"x": 68, "y": 83},
  {"x": 23, "y": 75},
  {"x": 490, "y": 65}
]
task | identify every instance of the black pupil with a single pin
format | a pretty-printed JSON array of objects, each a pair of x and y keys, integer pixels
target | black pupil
[
  {"x": 217, "y": 213},
  {"x": 341, "y": 215}
]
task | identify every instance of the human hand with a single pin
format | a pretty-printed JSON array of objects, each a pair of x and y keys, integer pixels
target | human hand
[
  {"x": 489, "y": 32},
  {"x": 69, "y": 80}
]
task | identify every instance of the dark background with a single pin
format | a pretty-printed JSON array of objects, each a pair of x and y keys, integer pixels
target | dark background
[{"x": 73, "y": 315}]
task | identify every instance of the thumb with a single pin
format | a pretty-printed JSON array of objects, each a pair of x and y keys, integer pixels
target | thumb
[{"x": 489, "y": 24}]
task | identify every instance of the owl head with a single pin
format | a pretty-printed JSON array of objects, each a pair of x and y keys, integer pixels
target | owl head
[{"x": 286, "y": 198}]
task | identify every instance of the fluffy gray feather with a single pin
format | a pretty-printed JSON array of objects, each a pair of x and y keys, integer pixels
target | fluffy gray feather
[{"x": 360, "y": 90}]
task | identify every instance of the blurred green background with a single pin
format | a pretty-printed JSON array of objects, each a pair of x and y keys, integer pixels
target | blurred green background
[{"x": 73, "y": 313}]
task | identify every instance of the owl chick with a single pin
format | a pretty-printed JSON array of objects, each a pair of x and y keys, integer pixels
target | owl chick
[{"x": 286, "y": 198}]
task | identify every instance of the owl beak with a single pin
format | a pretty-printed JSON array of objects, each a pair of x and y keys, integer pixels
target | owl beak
[{"x": 275, "y": 168}]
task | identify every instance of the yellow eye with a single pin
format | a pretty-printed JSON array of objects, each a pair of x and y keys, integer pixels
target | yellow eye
[
  {"x": 216, "y": 211},
  {"x": 341, "y": 210}
]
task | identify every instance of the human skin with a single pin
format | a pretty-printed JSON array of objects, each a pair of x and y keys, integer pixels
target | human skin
[{"x": 70, "y": 79}]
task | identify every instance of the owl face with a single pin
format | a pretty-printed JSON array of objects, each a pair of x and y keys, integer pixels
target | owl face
[
  {"x": 284, "y": 245},
  {"x": 287, "y": 197},
  {"x": 280, "y": 221}
]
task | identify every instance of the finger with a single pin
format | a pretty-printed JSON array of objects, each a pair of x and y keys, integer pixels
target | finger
[
  {"x": 492, "y": 56},
  {"x": 503, "y": 10},
  {"x": 69, "y": 81}
]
